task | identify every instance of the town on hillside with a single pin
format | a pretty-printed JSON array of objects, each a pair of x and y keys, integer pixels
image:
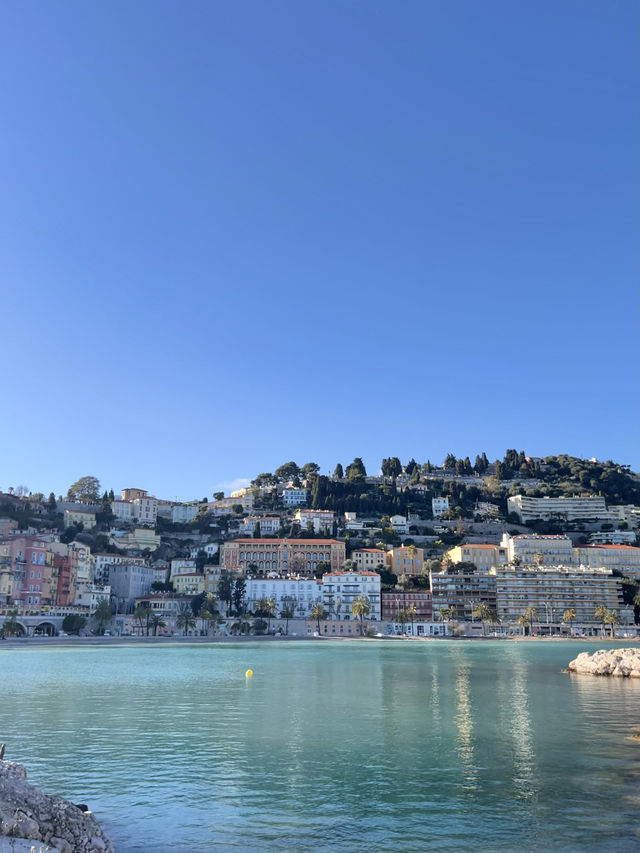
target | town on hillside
[{"x": 519, "y": 546}]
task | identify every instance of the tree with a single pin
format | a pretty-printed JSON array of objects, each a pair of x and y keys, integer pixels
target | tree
[
  {"x": 51, "y": 503},
  {"x": 410, "y": 467},
  {"x": 482, "y": 612},
  {"x": 527, "y": 617},
  {"x": 85, "y": 490},
  {"x": 141, "y": 617},
  {"x": 266, "y": 607},
  {"x": 607, "y": 617},
  {"x": 391, "y": 467},
  {"x": 568, "y": 616},
  {"x": 287, "y": 612},
  {"x": 73, "y": 623},
  {"x": 259, "y": 626},
  {"x": 239, "y": 588},
  {"x": 236, "y": 508},
  {"x": 412, "y": 613},
  {"x": 338, "y": 472},
  {"x": 225, "y": 589},
  {"x": 287, "y": 472},
  {"x": 356, "y": 472},
  {"x": 318, "y": 612},
  {"x": 11, "y": 627},
  {"x": 218, "y": 496},
  {"x": 402, "y": 618},
  {"x": 155, "y": 622},
  {"x": 102, "y": 615},
  {"x": 309, "y": 469},
  {"x": 185, "y": 618},
  {"x": 360, "y": 608},
  {"x": 162, "y": 586},
  {"x": 449, "y": 462}
]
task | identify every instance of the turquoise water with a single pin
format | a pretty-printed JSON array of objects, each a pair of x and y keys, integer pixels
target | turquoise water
[{"x": 351, "y": 746}]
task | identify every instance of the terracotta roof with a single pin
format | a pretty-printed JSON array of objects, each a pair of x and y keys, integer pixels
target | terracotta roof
[
  {"x": 626, "y": 547},
  {"x": 478, "y": 546},
  {"x": 369, "y": 551},
  {"x": 277, "y": 542}
]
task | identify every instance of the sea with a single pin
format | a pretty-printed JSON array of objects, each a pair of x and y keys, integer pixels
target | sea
[{"x": 357, "y": 745}]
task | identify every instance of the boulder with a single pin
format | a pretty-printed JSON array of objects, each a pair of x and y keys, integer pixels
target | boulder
[
  {"x": 43, "y": 822},
  {"x": 620, "y": 663}
]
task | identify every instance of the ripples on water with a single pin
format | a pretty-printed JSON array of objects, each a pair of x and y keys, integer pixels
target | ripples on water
[{"x": 349, "y": 746}]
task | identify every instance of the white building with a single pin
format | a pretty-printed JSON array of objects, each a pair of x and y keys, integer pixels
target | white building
[
  {"x": 294, "y": 497},
  {"x": 183, "y": 513},
  {"x": 623, "y": 558},
  {"x": 89, "y": 595},
  {"x": 565, "y": 509},
  {"x": 339, "y": 589},
  {"x": 269, "y": 525},
  {"x": 320, "y": 519},
  {"x": 102, "y": 563},
  {"x": 399, "y": 524},
  {"x": 302, "y": 593},
  {"x": 145, "y": 510},
  {"x": 613, "y": 537},
  {"x": 122, "y": 510},
  {"x": 128, "y": 582},
  {"x": 533, "y": 549},
  {"x": 182, "y": 567},
  {"x": 439, "y": 505},
  {"x": 209, "y": 549}
]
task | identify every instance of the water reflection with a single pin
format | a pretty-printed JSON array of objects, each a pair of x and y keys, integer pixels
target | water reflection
[
  {"x": 464, "y": 725},
  {"x": 525, "y": 777}
]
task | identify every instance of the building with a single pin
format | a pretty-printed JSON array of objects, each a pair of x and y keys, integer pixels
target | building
[
  {"x": 300, "y": 593},
  {"x": 182, "y": 567},
  {"x": 26, "y": 571},
  {"x": 459, "y": 593},
  {"x": 138, "y": 539},
  {"x": 132, "y": 494},
  {"x": 122, "y": 510},
  {"x": 225, "y": 505},
  {"x": 369, "y": 558},
  {"x": 90, "y": 595},
  {"x": 622, "y": 558},
  {"x": 551, "y": 590},
  {"x": 321, "y": 520},
  {"x": 189, "y": 583},
  {"x": 399, "y": 524},
  {"x": 79, "y": 516},
  {"x": 145, "y": 510},
  {"x": 564, "y": 509},
  {"x": 340, "y": 589},
  {"x": 405, "y": 560},
  {"x": 393, "y": 602},
  {"x": 129, "y": 582},
  {"x": 483, "y": 557},
  {"x": 439, "y": 506},
  {"x": 294, "y": 497},
  {"x": 534, "y": 549},
  {"x": 7, "y": 526},
  {"x": 263, "y": 524},
  {"x": 183, "y": 513},
  {"x": 284, "y": 556},
  {"x": 102, "y": 562},
  {"x": 209, "y": 550},
  {"x": 613, "y": 537},
  {"x": 486, "y": 509}
]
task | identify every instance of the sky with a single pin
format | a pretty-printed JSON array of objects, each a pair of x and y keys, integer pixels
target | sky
[{"x": 237, "y": 234}]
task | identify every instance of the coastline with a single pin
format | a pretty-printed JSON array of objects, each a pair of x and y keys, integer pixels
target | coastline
[{"x": 73, "y": 642}]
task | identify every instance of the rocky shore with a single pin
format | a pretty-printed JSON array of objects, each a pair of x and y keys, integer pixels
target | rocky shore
[
  {"x": 621, "y": 663},
  {"x": 37, "y": 822}
]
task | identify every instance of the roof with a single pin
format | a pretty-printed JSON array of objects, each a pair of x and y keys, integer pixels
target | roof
[
  {"x": 473, "y": 545},
  {"x": 353, "y": 572},
  {"x": 277, "y": 542},
  {"x": 369, "y": 551},
  {"x": 626, "y": 547}
]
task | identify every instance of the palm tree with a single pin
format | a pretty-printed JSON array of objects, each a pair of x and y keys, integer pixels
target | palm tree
[
  {"x": 482, "y": 612},
  {"x": 526, "y": 618},
  {"x": 402, "y": 618},
  {"x": 102, "y": 615},
  {"x": 360, "y": 608},
  {"x": 318, "y": 612},
  {"x": 568, "y": 616},
  {"x": 185, "y": 618},
  {"x": 412, "y": 613},
  {"x": 446, "y": 614},
  {"x": 141, "y": 617},
  {"x": 287, "y": 612},
  {"x": 270, "y": 609},
  {"x": 601, "y": 613},
  {"x": 612, "y": 618},
  {"x": 155, "y": 622}
]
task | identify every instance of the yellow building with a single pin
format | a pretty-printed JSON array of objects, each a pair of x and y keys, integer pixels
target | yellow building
[
  {"x": 483, "y": 557},
  {"x": 368, "y": 558},
  {"x": 405, "y": 561},
  {"x": 191, "y": 584}
]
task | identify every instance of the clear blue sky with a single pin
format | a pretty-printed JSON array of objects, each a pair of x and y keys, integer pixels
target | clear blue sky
[{"x": 234, "y": 234}]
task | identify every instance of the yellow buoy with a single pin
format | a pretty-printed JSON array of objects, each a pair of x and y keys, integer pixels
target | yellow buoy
[{"x": 249, "y": 673}]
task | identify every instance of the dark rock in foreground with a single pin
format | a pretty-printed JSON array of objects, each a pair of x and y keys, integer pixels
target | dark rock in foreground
[
  {"x": 48, "y": 823},
  {"x": 623, "y": 663}
]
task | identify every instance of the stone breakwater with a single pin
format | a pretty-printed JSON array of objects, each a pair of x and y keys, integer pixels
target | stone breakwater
[
  {"x": 48, "y": 824},
  {"x": 622, "y": 663}
]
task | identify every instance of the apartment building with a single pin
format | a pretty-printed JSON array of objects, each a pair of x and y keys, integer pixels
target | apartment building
[
  {"x": 565, "y": 509},
  {"x": 284, "y": 556},
  {"x": 79, "y": 516},
  {"x": 128, "y": 582},
  {"x": 393, "y": 602},
  {"x": 340, "y": 589},
  {"x": 534, "y": 549},
  {"x": 321, "y": 520},
  {"x": 623, "y": 558},
  {"x": 300, "y": 593},
  {"x": 26, "y": 571},
  {"x": 102, "y": 562},
  {"x": 266, "y": 524},
  {"x": 461, "y": 592},
  {"x": 294, "y": 497},
  {"x": 483, "y": 557},
  {"x": 405, "y": 560},
  {"x": 551, "y": 590},
  {"x": 369, "y": 558},
  {"x": 439, "y": 506},
  {"x": 183, "y": 513}
]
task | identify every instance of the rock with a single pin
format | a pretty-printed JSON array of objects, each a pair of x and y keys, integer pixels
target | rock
[
  {"x": 620, "y": 663},
  {"x": 48, "y": 823}
]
